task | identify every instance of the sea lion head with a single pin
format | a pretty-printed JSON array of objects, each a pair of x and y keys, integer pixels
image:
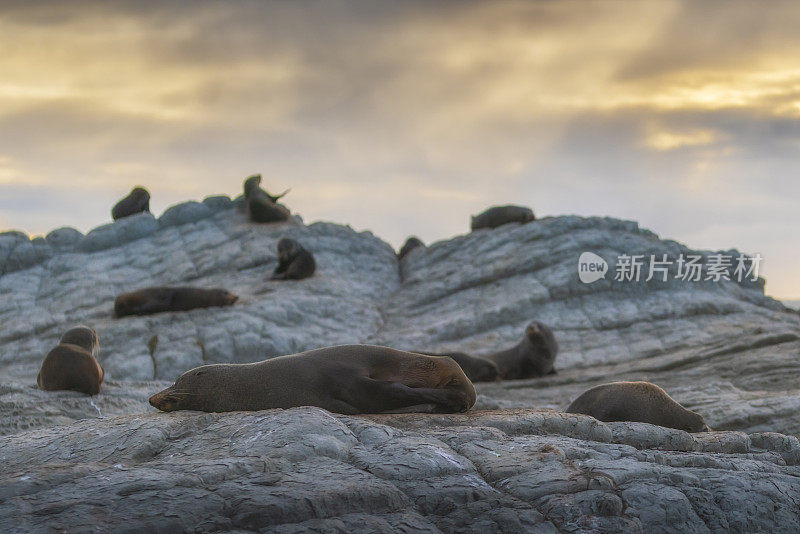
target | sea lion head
[
  {"x": 126, "y": 303},
  {"x": 528, "y": 216},
  {"x": 82, "y": 336},
  {"x": 287, "y": 248},
  {"x": 539, "y": 347},
  {"x": 694, "y": 422},
  {"x": 140, "y": 193},
  {"x": 442, "y": 372},
  {"x": 222, "y": 296},
  {"x": 191, "y": 391},
  {"x": 251, "y": 185}
]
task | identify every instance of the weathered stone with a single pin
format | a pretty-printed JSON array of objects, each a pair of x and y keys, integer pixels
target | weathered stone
[{"x": 515, "y": 463}]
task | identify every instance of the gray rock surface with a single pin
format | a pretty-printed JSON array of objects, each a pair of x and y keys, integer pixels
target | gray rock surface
[{"x": 515, "y": 463}]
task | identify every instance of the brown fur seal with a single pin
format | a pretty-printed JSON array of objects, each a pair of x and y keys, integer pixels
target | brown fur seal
[
  {"x": 261, "y": 206},
  {"x": 532, "y": 357},
  {"x": 410, "y": 244},
  {"x": 637, "y": 401},
  {"x": 294, "y": 262},
  {"x": 71, "y": 365},
  {"x": 137, "y": 201},
  {"x": 346, "y": 379},
  {"x": 160, "y": 299},
  {"x": 500, "y": 215}
]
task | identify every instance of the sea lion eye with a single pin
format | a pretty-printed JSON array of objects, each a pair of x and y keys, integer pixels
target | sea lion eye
[{"x": 453, "y": 382}]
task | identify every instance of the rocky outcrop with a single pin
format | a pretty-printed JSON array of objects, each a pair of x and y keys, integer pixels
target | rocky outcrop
[{"x": 514, "y": 463}]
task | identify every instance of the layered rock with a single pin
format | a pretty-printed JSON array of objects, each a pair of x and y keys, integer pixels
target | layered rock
[{"x": 720, "y": 348}]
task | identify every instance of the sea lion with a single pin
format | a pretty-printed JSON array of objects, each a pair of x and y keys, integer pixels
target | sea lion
[
  {"x": 476, "y": 368},
  {"x": 500, "y": 215},
  {"x": 532, "y": 357},
  {"x": 347, "y": 379},
  {"x": 71, "y": 365},
  {"x": 261, "y": 206},
  {"x": 160, "y": 299},
  {"x": 137, "y": 201},
  {"x": 637, "y": 401},
  {"x": 294, "y": 262},
  {"x": 410, "y": 244}
]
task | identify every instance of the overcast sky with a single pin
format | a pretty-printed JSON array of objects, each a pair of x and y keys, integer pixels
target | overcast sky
[{"x": 405, "y": 118}]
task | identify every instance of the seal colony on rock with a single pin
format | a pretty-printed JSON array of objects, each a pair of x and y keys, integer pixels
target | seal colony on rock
[
  {"x": 294, "y": 261},
  {"x": 347, "y": 379},
  {"x": 71, "y": 365},
  {"x": 137, "y": 201},
  {"x": 641, "y": 402},
  {"x": 410, "y": 244},
  {"x": 261, "y": 206},
  {"x": 500, "y": 215},
  {"x": 532, "y": 357},
  {"x": 161, "y": 299}
]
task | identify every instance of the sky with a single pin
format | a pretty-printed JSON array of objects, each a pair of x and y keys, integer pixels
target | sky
[{"x": 405, "y": 118}]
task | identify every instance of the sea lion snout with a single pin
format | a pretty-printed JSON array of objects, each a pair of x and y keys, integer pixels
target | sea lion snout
[{"x": 164, "y": 401}]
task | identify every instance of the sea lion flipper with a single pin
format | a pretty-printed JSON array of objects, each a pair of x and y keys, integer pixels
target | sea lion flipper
[
  {"x": 387, "y": 395},
  {"x": 275, "y": 198}
]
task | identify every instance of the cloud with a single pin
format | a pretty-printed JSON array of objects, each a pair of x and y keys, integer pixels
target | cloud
[{"x": 407, "y": 117}]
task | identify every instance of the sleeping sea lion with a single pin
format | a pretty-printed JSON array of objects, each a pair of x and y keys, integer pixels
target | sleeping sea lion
[
  {"x": 294, "y": 262},
  {"x": 71, "y": 365},
  {"x": 347, "y": 379},
  {"x": 637, "y": 401},
  {"x": 160, "y": 299},
  {"x": 500, "y": 215},
  {"x": 261, "y": 206},
  {"x": 137, "y": 201}
]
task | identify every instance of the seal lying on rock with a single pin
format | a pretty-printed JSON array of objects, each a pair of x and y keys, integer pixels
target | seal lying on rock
[
  {"x": 346, "y": 379},
  {"x": 71, "y": 365},
  {"x": 500, "y": 215},
  {"x": 410, "y": 244},
  {"x": 294, "y": 262},
  {"x": 642, "y": 402},
  {"x": 160, "y": 299},
  {"x": 261, "y": 206},
  {"x": 137, "y": 201},
  {"x": 532, "y": 357}
]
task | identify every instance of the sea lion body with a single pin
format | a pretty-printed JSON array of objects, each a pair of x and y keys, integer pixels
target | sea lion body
[
  {"x": 500, "y": 215},
  {"x": 160, "y": 299},
  {"x": 294, "y": 262},
  {"x": 532, "y": 357},
  {"x": 346, "y": 379},
  {"x": 637, "y": 401},
  {"x": 261, "y": 206},
  {"x": 410, "y": 244},
  {"x": 137, "y": 201},
  {"x": 71, "y": 364}
]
